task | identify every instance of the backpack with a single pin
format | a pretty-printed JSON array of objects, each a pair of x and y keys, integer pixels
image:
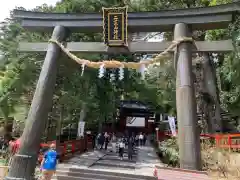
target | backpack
[{"x": 50, "y": 160}]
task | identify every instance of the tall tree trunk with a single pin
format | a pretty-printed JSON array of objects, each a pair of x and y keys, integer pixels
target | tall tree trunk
[
  {"x": 5, "y": 113},
  {"x": 211, "y": 87},
  {"x": 83, "y": 112},
  {"x": 7, "y": 123},
  {"x": 100, "y": 125},
  {"x": 209, "y": 121}
]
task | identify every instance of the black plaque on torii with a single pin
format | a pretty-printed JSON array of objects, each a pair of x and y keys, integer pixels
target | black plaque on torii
[{"x": 115, "y": 26}]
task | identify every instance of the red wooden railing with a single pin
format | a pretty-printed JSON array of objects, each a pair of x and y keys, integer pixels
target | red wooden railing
[
  {"x": 68, "y": 148},
  {"x": 226, "y": 141},
  {"x": 231, "y": 141}
]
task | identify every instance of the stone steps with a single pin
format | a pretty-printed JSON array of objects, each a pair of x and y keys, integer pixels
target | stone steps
[
  {"x": 87, "y": 174},
  {"x": 116, "y": 155},
  {"x": 125, "y": 152},
  {"x": 119, "y": 163},
  {"x": 116, "y": 158},
  {"x": 113, "y": 169}
]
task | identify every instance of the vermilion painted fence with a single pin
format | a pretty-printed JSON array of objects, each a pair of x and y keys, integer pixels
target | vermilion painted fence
[
  {"x": 231, "y": 141},
  {"x": 69, "y": 148},
  {"x": 226, "y": 141}
]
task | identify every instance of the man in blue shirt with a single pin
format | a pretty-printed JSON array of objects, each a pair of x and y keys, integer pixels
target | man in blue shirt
[{"x": 49, "y": 163}]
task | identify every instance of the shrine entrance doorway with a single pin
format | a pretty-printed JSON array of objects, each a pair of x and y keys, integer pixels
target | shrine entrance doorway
[{"x": 135, "y": 117}]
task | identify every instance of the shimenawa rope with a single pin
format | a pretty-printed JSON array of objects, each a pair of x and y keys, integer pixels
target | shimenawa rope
[{"x": 118, "y": 64}]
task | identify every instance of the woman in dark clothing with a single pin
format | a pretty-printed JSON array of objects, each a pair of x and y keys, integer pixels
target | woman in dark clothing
[
  {"x": 144, "y": 139},
  {"x": 130, "y": 147},
  {"x": 94, "y": 140},
  {"x": 99, "y": 141},
  {"x": 106, "y": 140},
  {"x": 102, "y": 139}
]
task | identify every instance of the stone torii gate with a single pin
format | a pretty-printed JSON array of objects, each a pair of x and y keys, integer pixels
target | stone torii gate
[{"x": 181, "y": 21}]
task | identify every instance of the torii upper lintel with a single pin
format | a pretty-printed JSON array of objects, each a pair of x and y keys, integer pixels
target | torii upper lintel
[{"x": 204, "y": 18}]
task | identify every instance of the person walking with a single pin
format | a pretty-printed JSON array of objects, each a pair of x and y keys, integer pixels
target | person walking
[
  {"x": 114, "y": 143},
  {"x": 49, "y": 163},
  {"x": 144, "y": 139},
  {"x": 121, "y": 149},
  {"x": 14, "y": 146},
  {"x": 102, "y": 139},
  {"x": 130, "y": 147},
  {"x": 99, "y": 141},
  {"x": 94, "y": 140},
  {"x": 137, "y": 140},
  {"x": 141, "y": 139},
  {"x": 106, "y": 140}
]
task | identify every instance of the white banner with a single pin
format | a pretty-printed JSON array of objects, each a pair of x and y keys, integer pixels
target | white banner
[
  {"x": 81, "y": 126},
  {"x": 171, "y": 121}
]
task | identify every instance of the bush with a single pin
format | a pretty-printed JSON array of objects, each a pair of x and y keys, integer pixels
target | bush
[
  {"x": 221, "y": 164},
  {"x": 169, "y": 152}
]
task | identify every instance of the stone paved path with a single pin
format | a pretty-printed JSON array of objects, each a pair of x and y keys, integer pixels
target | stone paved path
[
  {"x": 143, "y": 162},
  {"x": 84, "y": 160},
  {"x": 147, "y": 159}
]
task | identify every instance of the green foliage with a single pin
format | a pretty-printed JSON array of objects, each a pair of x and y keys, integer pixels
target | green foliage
[
  {"x": 229, "y": 70},
  {"x": 169, "y": 152},
  {"x": 16, "y": 69}
]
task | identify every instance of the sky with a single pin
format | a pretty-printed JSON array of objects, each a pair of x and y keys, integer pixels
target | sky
[{"x": 9, "y": 5}]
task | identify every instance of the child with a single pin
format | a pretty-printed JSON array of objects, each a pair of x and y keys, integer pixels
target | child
[
  {"x": 49, "y": 163},
  {"x": 121, "y": 149}
]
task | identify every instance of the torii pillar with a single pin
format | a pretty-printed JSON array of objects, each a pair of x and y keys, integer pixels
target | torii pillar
[
  {"x": 24, "y": 162},
  {"x": 188, "y": 134}
]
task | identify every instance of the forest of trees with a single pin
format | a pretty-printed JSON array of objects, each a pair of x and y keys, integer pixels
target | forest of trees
[{"x": 93, "y": 99}]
